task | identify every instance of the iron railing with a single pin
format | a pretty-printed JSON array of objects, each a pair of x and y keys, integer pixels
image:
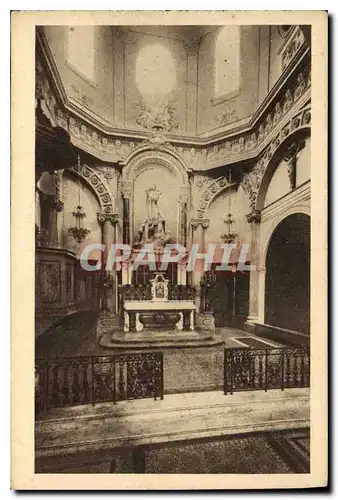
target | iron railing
[
  {"x": 96, "y": 379},
  {"x": 263, "y": 369}
]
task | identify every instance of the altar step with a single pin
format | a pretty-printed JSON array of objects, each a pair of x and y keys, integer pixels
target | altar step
[
  {"x": 107, "y": 322},
  {"x": 156, "y": 338}
]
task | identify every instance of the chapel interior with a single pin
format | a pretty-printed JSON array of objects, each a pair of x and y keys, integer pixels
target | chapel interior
[{"x": 178, "y": 135}]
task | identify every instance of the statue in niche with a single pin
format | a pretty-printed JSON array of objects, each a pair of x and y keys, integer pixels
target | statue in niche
[
  {"x": 153, "y": 195},
  {"x": 152, "y": 229}
]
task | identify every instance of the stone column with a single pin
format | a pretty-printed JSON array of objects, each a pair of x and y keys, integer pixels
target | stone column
[
  {"x": 50, "y": 206},
  {"x": 126, "y": 196},
  {"x": 204, "y": 321},
  {"x": 108, "y": 222},
  {"x": 183, "y": 236},
  {"x": 261, "y": 294},
  {"x": 254, "y": 219},
  {"x": 197, "y": 272},
  {"x": 126, "y": 227}
]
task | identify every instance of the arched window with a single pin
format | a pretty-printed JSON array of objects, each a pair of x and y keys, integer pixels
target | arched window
[
  {"x": 81, "y": 50},
  {"x": 227, "y": 62},
  {"x": 155, "y": 72}
]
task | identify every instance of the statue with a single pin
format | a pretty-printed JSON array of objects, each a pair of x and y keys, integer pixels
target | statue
[
  {"x": 152, "y": 229},
  {"x": 153, "y": 195}
]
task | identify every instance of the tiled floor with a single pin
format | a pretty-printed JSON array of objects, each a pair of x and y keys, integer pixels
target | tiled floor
[
  {"x": 76, "y": 336},
  {"x": 250, "y": 454}
]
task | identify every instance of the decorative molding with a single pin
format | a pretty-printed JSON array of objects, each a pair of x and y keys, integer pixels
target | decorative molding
[
  {"x": 108, "y": 143},
  {"x": 297, "y": 40},
  {"x": 144, "y": 156},
  {"x": 97, "y": 184},
  {"x": 211, "y": 192},
  {"x": 229, "y": 114},
  {"x": 251, "y": 181}
]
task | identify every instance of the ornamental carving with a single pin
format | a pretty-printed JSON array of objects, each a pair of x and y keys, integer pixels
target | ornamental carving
[
  {"x": 110, "y": 143},
  {"x": 98, "y": 185},
  {"x": 203, "y": 222},
  {"x": 127, "y": 189},
  {"x": 251, "y": 181},
  {"x": 161, "y": 119},
  {"x": 293, "y": 46},
  {"x": 213, "y": 190},
  {"x": 112, "y": 218},
  {"x": 254, "y": 216}
]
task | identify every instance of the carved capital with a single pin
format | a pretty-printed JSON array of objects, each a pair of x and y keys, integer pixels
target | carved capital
[
  {"x": 254, "y": 216},
  {"x": 126, "y": 189},
  {"x": 112, "y": 218},
  {"x": 204, "y": 223}
]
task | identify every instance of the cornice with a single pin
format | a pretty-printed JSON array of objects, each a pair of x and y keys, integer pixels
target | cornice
[{"x": 237, "y": 144}]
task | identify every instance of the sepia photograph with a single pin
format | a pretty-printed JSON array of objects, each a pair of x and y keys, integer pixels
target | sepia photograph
[{"x": 173, "y": 250}]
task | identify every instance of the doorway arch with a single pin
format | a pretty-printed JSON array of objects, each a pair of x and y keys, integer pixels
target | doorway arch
[{"x": 287, "y": 284}]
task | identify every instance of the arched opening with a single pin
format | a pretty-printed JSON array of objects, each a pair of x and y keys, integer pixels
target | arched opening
[{"x": 287, "y": 285}]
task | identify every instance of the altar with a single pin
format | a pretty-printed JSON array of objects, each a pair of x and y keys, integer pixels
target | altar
[
  {"x": 161, "y": 315},
  {"x": 159, "y": 312},
  {"x": 156, "y": 311}
]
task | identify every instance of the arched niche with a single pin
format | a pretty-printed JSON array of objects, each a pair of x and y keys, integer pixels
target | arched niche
[
  {"x": 287, "y": 278},
  {"x": 297, "y": 137},
  {"x": 163, "y": 168},
  {"x": 169, "y": 160}
]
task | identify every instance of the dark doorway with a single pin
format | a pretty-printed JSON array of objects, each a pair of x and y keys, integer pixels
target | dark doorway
[
  {"x": 287, "y": 285},
  {"x": 229, "y": 297}
]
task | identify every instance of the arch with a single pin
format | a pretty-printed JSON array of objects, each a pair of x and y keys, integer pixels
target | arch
[
  {"x": 302, "y": 208},
  {"x": 139, "y": 160},
  {"x": 287, "y": 282},
  {"x": 211, "y": 192},
  {"x": 297, "y": 136},
  {"x": 100, "y": 188}
]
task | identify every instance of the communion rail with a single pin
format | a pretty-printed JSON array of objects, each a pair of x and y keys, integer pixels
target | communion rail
[
  {"x": 97, "y": 379},
  {"x": 264, "y": 369}
]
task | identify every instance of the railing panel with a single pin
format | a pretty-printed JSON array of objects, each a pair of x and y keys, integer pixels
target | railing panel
[
  {"x": 263, "y": 369},
  {"x": 75, "y": 381}
]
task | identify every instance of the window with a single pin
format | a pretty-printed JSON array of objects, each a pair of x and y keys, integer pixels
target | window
[
  {"x": 227, "y": 61},
  {"x": 81, "y": 50},
  {"x": 155, "y": 72}
]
